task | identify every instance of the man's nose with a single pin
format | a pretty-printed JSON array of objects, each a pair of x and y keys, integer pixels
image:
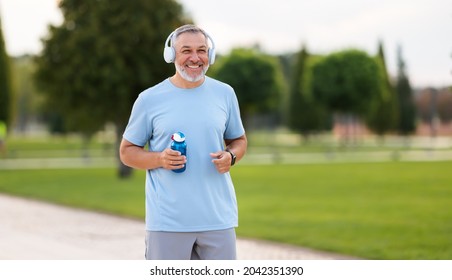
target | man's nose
[{"x": 194, "y": 56}]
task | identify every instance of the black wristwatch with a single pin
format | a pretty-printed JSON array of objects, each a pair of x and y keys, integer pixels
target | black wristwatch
[{"x": 233, "y": 156}]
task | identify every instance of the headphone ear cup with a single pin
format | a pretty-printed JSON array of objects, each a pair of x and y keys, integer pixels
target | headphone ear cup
[
  {"x": 169, "y": 54},
  {"x": 211, "y": 56}
]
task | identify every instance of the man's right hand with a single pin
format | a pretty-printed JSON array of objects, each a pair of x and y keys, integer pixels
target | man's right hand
[{"x": 171, "y": 159}]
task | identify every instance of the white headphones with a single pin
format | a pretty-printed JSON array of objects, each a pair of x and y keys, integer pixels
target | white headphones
[{"x": 169, "y": 53}]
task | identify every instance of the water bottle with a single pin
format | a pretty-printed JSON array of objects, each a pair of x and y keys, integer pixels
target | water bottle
[{"x": 178, "y": 144}]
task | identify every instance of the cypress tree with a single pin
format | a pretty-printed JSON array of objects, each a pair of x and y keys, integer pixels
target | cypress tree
[
  {"x": 5, "y": 81},
  {"x": 306, "y": 114},
  {"x": 407, "y": 111},
  {"x": 382, "y": 115},
  {"x": 296, "y": 101}
]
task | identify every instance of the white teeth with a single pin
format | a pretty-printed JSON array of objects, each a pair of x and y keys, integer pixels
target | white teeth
[{"x": 193, "y": 66}]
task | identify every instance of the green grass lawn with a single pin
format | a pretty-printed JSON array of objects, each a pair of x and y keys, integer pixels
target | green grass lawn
[
  {"x": 372, "y": 210},
  {"x": 57, "y": 147},
  {"x": 397, "y": 210}
]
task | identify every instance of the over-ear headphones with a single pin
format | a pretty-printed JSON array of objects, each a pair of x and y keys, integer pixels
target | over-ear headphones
[{"x": 169, "y": 53}]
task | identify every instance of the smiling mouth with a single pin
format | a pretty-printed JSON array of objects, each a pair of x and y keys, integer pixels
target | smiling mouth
[{"x": 194, "y": 66}]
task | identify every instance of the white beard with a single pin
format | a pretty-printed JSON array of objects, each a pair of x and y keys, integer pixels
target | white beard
[{"x": 187, "y": 77}]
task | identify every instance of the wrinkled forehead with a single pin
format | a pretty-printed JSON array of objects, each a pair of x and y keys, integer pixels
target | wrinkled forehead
[{"x": 191, "y": 40}]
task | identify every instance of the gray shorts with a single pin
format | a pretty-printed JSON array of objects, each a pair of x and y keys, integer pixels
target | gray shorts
[{"x": 206, "y": 245}]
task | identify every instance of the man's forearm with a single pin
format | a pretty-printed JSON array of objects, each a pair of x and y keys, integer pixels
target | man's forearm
[
  {"x": 137, "y": 157},
  {"x": 238, "y": 146}
]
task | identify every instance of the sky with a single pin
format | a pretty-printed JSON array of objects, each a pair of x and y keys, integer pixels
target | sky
[{"x": 422, "y": 28}]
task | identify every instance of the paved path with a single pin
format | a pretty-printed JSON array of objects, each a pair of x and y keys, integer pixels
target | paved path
[{"x": 35, "y": 230}]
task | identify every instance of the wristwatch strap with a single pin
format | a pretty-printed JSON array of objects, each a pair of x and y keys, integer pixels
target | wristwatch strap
[{"x": 233, "y": 156}]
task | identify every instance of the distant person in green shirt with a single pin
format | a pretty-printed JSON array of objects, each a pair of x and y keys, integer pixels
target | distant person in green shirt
[{"x": 3, "y": 131}]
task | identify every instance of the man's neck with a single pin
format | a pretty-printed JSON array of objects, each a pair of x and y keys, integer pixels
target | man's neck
[{"x": 180, "y": 82}]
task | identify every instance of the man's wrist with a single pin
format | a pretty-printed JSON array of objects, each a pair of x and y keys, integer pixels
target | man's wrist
[{"x": 233, "y": 156}]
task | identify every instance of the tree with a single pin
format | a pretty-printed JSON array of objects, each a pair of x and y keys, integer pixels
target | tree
[
  {"x": 346, "y": 82},
  {"x": 27, "y": 101},
  {"x": 306, "y": 115},
  {"x": 256, "y": 79},
  {"x": 104, "y": 54},
  {"x": 382, "y": 114},
  {"x": 407, "y": 112},
  {"x": 5, "y": 82}
]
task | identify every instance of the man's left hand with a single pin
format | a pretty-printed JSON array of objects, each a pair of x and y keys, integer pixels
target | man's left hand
[{"x": 222, "y": 161}]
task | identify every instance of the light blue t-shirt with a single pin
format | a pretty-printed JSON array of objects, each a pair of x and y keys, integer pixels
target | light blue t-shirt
[{"x": 199, "y": 199}]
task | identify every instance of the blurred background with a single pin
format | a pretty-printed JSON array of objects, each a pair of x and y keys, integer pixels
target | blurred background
[{"x": 353, "y": 82}]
